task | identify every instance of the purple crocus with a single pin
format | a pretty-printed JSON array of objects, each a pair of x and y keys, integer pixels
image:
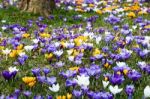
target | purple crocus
[
  {"x": 77, "y": 93},
  {"x": 116, "y": 79},
  {"x": 68, "y": 73},
  {"x": 51, "y": 80},
  {"x": 49, "y": 97},
  {"x": 41, "y": 79},
  {"x": 7, "y": 75},
  {"x": 70, "y": 83},
  {"x": 22, "y": 59},
  {"x": 11, "y": 97},
  {"x": 46, "y": 71},
  {"x": 134, "y": 75},
  {"x": 129, "y": 91},
  {"x": 38, "y": 97},
  {"x": 36, "y": 71},
  {"x": 27, "y": 93}
]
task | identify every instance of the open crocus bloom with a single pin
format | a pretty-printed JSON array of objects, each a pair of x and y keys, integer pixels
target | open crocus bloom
[
  {"x": 82, "y": 80},
  {"x": 114, "y": 89},
  {"x": 55, "y": 88}
]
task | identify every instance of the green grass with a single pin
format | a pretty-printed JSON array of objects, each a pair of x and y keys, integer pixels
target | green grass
[{"x": 14, "y": 16}]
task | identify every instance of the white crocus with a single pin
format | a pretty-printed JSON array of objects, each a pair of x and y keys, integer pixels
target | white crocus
[
  {"x": 98, "y": 39},
  {"x": 4, "y": 28},
  {"x": 28, "y": 48},
  {"x": 70, "y": 51},
  {"x": 114, "y": 89},
  {"x": 121, "y": 64},
  {"x": 147, "y": 92},
  {"x": 13, "y": 69},
  {"x": 58, "y": 53},
  {"x": 35, "y": 41},
  {"x": 6, "y": 52},
  {"x": 82, "y": 80},
  {"x": 105, "y": 83},
  {"x": 55, "y": 88},
  {"x": 3, "y": 21},
  {"x": 71, "y": 58},
  {"x": 22, "y": 54},
  {"x": 70, "y": 8}
]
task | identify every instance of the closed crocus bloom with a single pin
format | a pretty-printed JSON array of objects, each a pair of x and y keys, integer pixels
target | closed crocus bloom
[
  {"x": 147, "y": 92},
  {"x": 49, "y": 97},
  {"x": 105, "y": 83},
  {"x": 129, "y": 91},
  {"x": 6, "y": 52},
  {"x": 7, "y": 75},
  {"x": 36, "y": 71},
  {"x": 55, "y": 88},
  {"x": 69, "y": 96},
  {"x": 46, "y": 71}
]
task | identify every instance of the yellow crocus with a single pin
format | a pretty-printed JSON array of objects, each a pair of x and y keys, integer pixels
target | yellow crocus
[
  {"x": 69, "y": 96},
  {"x": 147, "y": 27},
  {"x": 131, "y": 15},
  {"x": 96, "y": 52},
  {"x": 49, "y": 56},
  {"x": 74, "y": 68},
  {"x": 99, "y": 11},
  {"x": 31, "y": 84},
  {"x": 28, "y": 79},
  {"x": 125, "y": 71},
  {"x": 45, "y": 35},
  {"x": 25, "y": 35},
  {"x": 106, "y": 65},
  {"x": 19, "y": 47},
  {"x": 91, "y": 5}
]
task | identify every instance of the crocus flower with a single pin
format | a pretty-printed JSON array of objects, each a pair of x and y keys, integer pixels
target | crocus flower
[
  {"x": 134, "y": 75},
  {"x": 6, "y": 52},
  {"x": 11, "y": 97},
  {"x": 51, "y": 80},
  {"x": 27, "y": 93},
  {"x": 28, "y": 48},
  {"x": 36, "y": 71},
  {"x": 105, "y": 83},
  {"x": 7, "y": 75},
  {"x": 116, "y": 79},
  {"x": 13, "y": 69},
  {"x": 114, "y": 89},
  {"x": 58, "y": 53},
  {"x": 55, "y": 87},
  {"x": 129, "y": 91},
  {"x": 30, "y": 81},
  {"x": 77, "y": 93},
  {"x": 38, "y": 97},
  {"x": 147, "y": 92},
  {"x": 46, "y": 71},
  {"x": 82, "y": 80},
  {"x": 41, "y": 79}
]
